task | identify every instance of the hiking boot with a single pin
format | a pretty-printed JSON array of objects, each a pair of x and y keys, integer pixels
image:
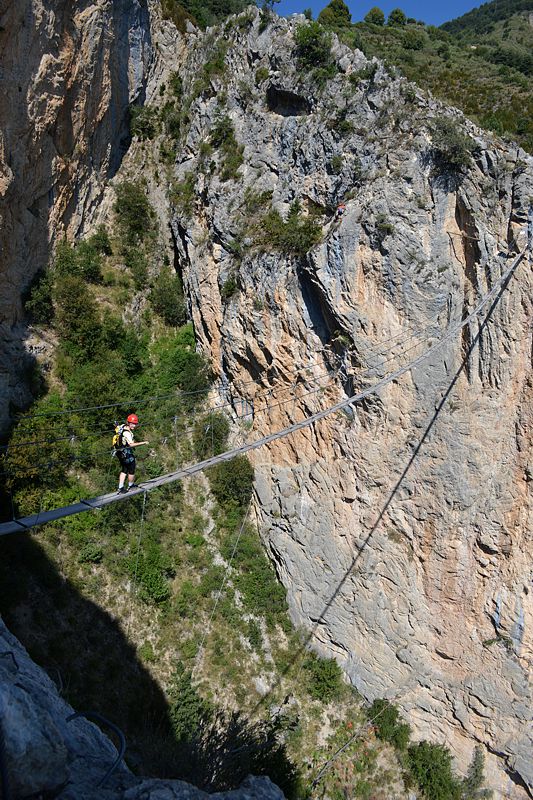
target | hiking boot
[
  {"x": 123, "y": 490},
  {"x": 133, "y": 486}
]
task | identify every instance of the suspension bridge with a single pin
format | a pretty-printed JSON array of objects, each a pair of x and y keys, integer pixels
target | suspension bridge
[{"x": 26, "y": 523}]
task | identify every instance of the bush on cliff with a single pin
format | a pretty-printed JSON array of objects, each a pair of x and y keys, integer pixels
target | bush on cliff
[
  {"x": 431, "y": 767},
  {"x": 313, "y": 50},
  {"x": 297, "y": 235},
  {"x": 385, "y": 717},
  {"x": 324, "y": 677},
  {"x": 452, "y": 149},
  {"x": 167, "y": 298}
]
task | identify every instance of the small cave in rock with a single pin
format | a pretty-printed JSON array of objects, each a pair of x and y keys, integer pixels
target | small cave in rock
[{"x": 285, "y": 103}]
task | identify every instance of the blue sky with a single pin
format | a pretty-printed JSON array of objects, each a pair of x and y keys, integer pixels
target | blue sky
[{"x": 430, "y": 13}]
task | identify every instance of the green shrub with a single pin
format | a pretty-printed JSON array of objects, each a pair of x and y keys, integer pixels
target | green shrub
[
  {"x": 385, "y": 718},
  {"x": 146, "y": 652},
  {"x": 471, "y": 786},
  {"x": 256, "y": 580},
  {"x": 38, "y": 303},
  {"x": 83, "y": 260},
  {"x": 182, "y": 194},
  {"x": 324, "y": 677},
  {"x": 336, "y": 164},
  {"x": 261, "y": 75},
  {"x": 431, "y": 767},
  {"x": 89, "y": 261},
  {"x": 313, "y": 45},
  {"x": 177, "y": 364},
  {"x": 210, "y": 435},
  {"x": 186, "y": 601},
  {"x": 254, "y": 635},
  {"x": 216, "y": 63},
  {"x": 90, "y": 553},
  {"x": 143, "y": 122},
  {"x": 151, "y": 568},
  {"x": 413, "y": 39},
  {"x": 297, "y": 235},
  {"x": 100, "y": 241},
  {"x": 173, "y": 121},
  {"x": 384, "y": 227},
  {"x": 229, "y": 288},
  {"x": 223, "y": 138},
  {"x": 167, "y": 298},
  {"x": 232, "y": 482},
  {"x": 188, "y": 710},
  {"x": 175, "y": 11},
  {"x": 452, "y": 149},
  {"x": 135, "y": 261},
  {"x": 176, "y": 85}
]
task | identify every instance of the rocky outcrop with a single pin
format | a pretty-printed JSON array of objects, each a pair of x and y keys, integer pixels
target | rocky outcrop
[
  {"x": 402, "y": 530},
  {"x": 68, "y": 75},
  {"x": 49, "y": 751}
]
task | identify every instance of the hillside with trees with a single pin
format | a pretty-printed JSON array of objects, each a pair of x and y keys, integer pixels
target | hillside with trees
[{"x": 480, "y": 63}]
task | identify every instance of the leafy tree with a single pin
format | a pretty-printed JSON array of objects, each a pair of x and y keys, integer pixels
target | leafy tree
[
  {"x": 431, "y": 766},
  {"x": 297, "y": 235},
  {"x": 167, "y": 298},
  {"x": 232, "y": 482},
  {"x": 313, "y": 45},
  {"x": 89, "y": 262},
  {"x": 335, "y": 15},
  {"x": 375, "y": 16},
  {"x": 397, "y": 18},
  {"x": 100, "y": 242},
  {"x": 135, "y": 216},
  {"x": 76, "y": 317}
]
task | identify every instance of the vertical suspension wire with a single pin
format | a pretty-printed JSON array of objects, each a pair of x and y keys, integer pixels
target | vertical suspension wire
[
  {"x": 175, "y": 425},
  {"x": 207, "y": 628},
  {"x": 134, "y": 582}
]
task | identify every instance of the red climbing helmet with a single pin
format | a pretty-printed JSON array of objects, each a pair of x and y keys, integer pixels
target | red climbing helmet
[{"x": 133, "y": 418}]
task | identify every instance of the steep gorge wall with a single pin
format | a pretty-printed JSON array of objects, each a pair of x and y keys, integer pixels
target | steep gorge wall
[
  {"x": 68, "y": 73},
  {"x": 402, "y": 532}
]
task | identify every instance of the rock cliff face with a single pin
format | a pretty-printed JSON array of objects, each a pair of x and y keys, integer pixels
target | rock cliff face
[
  {"x": 402, "y": 531},
  {"x": 46, "y": 753},
  {"x": 68, "y": 75}
]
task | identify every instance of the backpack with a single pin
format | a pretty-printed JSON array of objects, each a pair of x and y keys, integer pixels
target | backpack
[{"x": 117, "y": 438}]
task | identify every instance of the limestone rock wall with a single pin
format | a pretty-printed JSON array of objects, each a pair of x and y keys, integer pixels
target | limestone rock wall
[
  {"x": 68, "y": 72},
  {"x": 402, "y": 530}
]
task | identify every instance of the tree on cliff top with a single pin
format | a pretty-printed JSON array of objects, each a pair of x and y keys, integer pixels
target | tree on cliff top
[{"x": 335, "y": 15}]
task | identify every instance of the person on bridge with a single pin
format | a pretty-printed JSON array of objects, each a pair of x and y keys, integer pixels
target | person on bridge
[{"x": 125, "y": 443}]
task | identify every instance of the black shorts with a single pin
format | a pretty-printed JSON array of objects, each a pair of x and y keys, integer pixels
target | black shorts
[{"x": 127, "y": 461}]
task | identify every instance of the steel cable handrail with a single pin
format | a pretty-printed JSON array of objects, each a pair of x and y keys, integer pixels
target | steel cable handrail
[{"x": 98, "y": 502}]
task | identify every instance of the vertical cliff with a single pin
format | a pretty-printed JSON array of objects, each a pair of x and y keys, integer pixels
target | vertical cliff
[
  {"x": 68, "y": 74},
  {"x": 402, "y": 531}
]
